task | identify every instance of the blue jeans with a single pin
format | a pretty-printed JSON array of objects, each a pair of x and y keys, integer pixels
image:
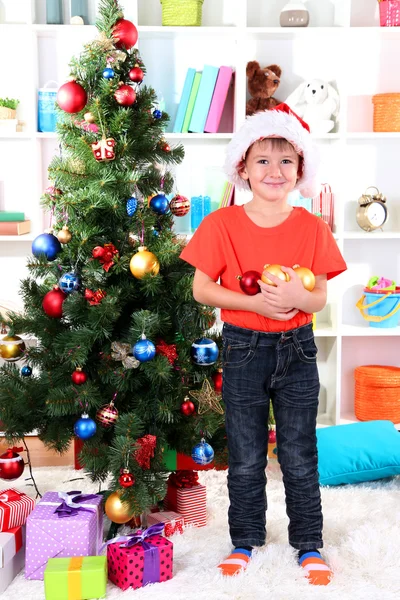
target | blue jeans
[{"x": 281, "y": 367}]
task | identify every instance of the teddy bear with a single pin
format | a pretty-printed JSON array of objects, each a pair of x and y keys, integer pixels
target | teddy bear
[
  {"x": 317, "y": 102},
  {"x": 262, "y": 84}
]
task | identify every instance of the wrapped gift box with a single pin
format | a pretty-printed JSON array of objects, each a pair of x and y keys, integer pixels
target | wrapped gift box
[
  {"x": 62, "y": 525},
  {"x": 77, "y": 578},
  {"x": 173, "y": 522},
  {"x": 141, "y": 558},
  {"x": 14, "y": 508},
  {"x": 187, "y": 497},
  {"x": 12, "y": 555}
]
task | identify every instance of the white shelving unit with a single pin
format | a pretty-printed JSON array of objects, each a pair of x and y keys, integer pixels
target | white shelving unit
[{"x": 343, "y": 44}]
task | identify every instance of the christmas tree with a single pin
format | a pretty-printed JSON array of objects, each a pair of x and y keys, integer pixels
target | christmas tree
[{"x": 108, "y": 298}]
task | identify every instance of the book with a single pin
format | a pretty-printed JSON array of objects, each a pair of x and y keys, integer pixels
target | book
[
  {"x": 187, "y": 88},
  {"x": 6, "y": 216},
  {"x": 191, "y": 103},
  {"x": 203, "y": 99},
  {"x": 228, "y": 197},
  {"x": 218, "y": 100},
  {"x": 15, "y": 228}
]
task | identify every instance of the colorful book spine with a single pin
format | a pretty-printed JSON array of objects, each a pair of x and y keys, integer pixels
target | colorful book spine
[
  {"x": 203, "y": 100},
  {"x": 191, "y": 103},
  {"x": 228, "y": 195},
  {"x": 6, "y": 216},
  {"x": 183, "y": 104},
  {"x": 15, "y": 228},
  {"x": 218, "y": 100}
]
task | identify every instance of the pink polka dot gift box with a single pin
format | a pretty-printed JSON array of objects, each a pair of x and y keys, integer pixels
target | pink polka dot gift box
[
  {"x": 140, "y": 558},
  {"x": 63, "y": 524}
]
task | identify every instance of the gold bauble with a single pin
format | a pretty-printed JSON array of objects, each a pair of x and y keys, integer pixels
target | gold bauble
[
  {"x": 89, "y": 117},
  {"x": 307, "y": 277},
  {"x": 274, "y": 270},
  {"x": 144, "y": 262},
  {"x": 116, "y": 510},
  {"x": 11, "y": 348},
  {"x": 64, "y": 236}
]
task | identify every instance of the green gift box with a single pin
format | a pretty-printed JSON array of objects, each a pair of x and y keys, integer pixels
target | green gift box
[{"x": 76, "y": 578}]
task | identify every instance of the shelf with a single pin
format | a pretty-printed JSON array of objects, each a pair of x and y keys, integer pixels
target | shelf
[
  {"x": 372, "y": 135},
  {"x": 15, "y": 135},
  {"x": 366, "y": 331},
  {"x": 325, "y": 330},
  {"x": 149, "y": 31},
  {"x": 28, "y": 237},
  {"x": 349, "y": 418},
  {"x": 377, "y": 235},
  {"x": 198, "y": 136},
  {"x": 259, "y": 33}
]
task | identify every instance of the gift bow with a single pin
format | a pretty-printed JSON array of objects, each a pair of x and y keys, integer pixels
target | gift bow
[
  {"x": 10, "y": 496},
  {"x": 184, "y": 479},
  {"x": 71, "y": 503},
  {"x": 121, "y": 351}
]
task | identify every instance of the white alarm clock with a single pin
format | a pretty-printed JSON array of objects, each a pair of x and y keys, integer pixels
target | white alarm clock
[{"x": 372, "y": 212}]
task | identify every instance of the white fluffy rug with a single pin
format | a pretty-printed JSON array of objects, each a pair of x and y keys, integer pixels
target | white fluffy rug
[{"x": 362, "y": 544}]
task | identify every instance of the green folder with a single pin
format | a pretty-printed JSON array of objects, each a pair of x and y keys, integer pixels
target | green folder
[
  {"x": 77, "y": 578},
  {"x": 7, "y": 216},
  {"x": 192, "y": 100}
]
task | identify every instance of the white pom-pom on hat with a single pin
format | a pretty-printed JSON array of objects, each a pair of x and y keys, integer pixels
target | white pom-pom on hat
[{"x": 280, "y": 122}]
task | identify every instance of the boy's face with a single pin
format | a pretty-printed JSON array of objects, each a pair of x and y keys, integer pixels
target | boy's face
[{"x": 271, "y": 169}]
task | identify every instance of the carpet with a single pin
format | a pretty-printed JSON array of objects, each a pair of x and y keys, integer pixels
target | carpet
[{"x": 362, "y": 545}]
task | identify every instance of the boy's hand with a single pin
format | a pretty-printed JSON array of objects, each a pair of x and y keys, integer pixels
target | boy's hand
[
  {"x": 265, "y": 308},
  {"x": 284, "y": 295}
]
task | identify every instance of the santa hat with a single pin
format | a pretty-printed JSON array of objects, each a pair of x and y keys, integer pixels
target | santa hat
[{"x": 279, "y": 122}]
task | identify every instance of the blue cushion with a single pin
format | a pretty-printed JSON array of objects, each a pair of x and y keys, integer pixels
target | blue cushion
[{"x": 358, "y": 452}]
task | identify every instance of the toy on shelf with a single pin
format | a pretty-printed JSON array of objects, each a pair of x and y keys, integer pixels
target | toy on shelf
[
  {"x": 372, "y": 212},
  {"x": 317, "y": 102},
  {"x": 262, "y": 84},
  {"x": 294, "y": 14},
  {"x": 382, "y": 303}
]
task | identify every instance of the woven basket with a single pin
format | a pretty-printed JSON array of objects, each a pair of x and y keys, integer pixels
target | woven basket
[
  {"x": 386, "y": 112},
  {"x": 389, "y": 13},
  {"x": 377, "y": 393},
  {"x": 183, "y": 13},
  {"x": 7, "y": 113}
]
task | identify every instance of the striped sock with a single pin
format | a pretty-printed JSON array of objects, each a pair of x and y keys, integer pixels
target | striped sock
[
  {"x": 236, "y": 562},
  {"x": 317, "y": 570}
]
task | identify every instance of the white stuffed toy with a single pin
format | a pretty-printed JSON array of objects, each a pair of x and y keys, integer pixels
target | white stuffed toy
[{"x": 317, "y": 102}]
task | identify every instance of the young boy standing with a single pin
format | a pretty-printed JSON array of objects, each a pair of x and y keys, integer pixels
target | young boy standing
[{"x": 269, "y": 351}]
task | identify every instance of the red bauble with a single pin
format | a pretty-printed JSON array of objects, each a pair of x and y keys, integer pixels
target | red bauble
[
  {"x": 125, "y": 95},
  {"x": 11, "y": 464},
  {"x": 125, "y": 34},
  {"x": 248, "y": 282},
  {"x": 52, "y": 303},
  {"x": 187, "y": 408},
  {"x": 136, "y": 74},
  {"x": 272, "y": 436},
  {"x": 79, "y": 377},
  {"x": 126, "y": 479},
  {"x": 179, "y": 205},
  {"x": 165, "y": 147},
  {"x": 71, "y": 97},
  {"x": 217, "y": 379}
]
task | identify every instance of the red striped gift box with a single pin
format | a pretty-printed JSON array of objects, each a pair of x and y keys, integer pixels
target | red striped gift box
[
  {"x": 14, "y": 508},
  {"x": 191, "y": 503}
]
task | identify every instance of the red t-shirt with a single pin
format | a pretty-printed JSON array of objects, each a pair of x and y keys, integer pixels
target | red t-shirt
[{"x": 228, "y": 243}]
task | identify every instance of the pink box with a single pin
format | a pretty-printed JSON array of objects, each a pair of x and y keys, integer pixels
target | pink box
[
  {"x": 174, "y": 523},
  {"x": 137, "y": 566}
]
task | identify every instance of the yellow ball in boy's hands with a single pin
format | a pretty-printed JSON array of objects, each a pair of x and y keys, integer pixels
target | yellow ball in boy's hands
[
  {"x": 274, "y": 270},
  {"x": 307, "y": 277}
]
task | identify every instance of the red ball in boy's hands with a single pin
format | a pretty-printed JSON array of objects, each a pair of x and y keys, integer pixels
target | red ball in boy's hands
[{"x": 249, "y": 282}]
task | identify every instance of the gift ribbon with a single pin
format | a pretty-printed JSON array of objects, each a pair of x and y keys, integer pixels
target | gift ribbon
[
  {"x": 75, "y": 578},
  {"x": 151, "y": 567},
  {"x": 69, "y": 506},
  {"x": 184, "y": 479}
]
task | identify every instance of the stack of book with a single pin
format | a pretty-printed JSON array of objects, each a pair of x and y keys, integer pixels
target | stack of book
[
  {"x": 203, "y": 99},
  {"x": 13, "y": 223}
]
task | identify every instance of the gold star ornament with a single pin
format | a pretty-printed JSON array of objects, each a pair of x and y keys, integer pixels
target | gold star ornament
[{"x": 207, "y": 399}]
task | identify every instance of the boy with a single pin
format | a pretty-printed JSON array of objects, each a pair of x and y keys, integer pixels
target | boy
[{"x": 268, "y": 343}]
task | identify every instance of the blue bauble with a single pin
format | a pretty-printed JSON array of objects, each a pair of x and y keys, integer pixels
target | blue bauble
[
  {"x": 47, "y": 244},
  {"x": 157, "y": 114},
  {"x": 85, "y": 427},
  {"x": 204, "y": 352},
  {"x": 131, "y": 206},
  {"x": 155, "y": 232},
  {"x": 26, "y": 371},
  {"x": 144, "y": 350},
  {"x": 159, "y": 204},
  {"x": 69, "y": 282},
  {"x": 108, "y": 73},
  {"x": 203, "y": 453}
]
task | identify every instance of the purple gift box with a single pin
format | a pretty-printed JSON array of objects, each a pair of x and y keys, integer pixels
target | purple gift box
[{"x": 62, "y": 525}]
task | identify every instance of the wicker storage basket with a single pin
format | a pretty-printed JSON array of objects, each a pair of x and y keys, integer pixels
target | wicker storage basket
[
  {"x": 377, "y": 393},
  {"x": 386, "y": 112},
  {"x": 7, "y": 113},
  {"x": 389, "y": 13},
  {"x": 184, "y": 13}
]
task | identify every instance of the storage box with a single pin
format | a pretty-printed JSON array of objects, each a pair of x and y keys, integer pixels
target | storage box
[
  {"x": 12, "y": 555},
  {"x": 174, "y": 523},
  {"x": 77, "y": 578},
  {"x": 189, "y": 501},
  {"x": 148, "y": 561},
  {"x": 184, "y": 13},
  {"x": 15, "y": 507},
  {"x": 55, "y": 529}
]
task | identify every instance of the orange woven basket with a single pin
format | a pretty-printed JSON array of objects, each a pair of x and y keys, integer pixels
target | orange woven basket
[
  {"x": 386, "y": 112},
  {"x": 377, "y": 393}
]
